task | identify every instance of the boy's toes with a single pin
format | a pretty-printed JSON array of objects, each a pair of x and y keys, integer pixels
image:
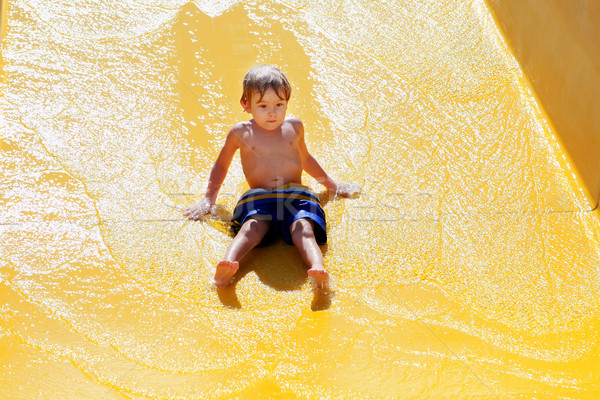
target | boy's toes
[
  {"x": 225, "y": 271},
  {"x": 320, "y": 278}
]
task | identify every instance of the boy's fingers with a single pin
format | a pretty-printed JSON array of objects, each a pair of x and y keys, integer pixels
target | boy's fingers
[{"x": 197, "y": 211}]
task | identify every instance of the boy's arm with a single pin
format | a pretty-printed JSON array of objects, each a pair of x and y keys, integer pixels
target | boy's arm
[
  {"x": 215, "y": 179},
  {"x": 221, "y": 166},
  {"x": 314, "y": 169}
]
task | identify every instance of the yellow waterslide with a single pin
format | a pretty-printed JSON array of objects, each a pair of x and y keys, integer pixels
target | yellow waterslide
[{"x": 468, "y": 268}]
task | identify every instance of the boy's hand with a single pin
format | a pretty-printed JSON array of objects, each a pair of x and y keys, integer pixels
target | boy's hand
[
  {"x": 347, "y": 189},
  {"x": 198, "y": 210}
]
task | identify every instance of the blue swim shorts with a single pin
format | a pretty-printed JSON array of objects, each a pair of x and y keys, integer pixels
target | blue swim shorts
[{"x": 282, "y": 205}]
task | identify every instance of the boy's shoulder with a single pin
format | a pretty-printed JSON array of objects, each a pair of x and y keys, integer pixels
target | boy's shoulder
[
  {"x": 294, "y": 121},
  {"x": 241, "y": 126},
  {"x": 295, "y": 124}
]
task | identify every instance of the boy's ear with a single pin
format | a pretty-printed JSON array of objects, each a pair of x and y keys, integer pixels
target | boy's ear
[{"x": 246, "y": 105}]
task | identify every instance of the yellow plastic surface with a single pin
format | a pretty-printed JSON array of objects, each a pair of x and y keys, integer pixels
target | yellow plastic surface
[
  {"x": 469, "y": 267},
  {"x": 557, "y": 46}
]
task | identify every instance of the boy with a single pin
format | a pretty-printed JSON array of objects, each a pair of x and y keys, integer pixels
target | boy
[{"x": 273, "y": 155}]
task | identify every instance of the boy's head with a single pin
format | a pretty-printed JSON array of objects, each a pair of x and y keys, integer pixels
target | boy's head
[{"x": 259, "y": 79}]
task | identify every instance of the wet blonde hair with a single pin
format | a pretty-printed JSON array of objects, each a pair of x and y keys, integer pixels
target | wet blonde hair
[{"x": 260, "y": 79}]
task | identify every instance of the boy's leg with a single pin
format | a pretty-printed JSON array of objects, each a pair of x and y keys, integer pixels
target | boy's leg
[
  {"x": 249, "y": 236},
  {"x": 303, "y": 236}
]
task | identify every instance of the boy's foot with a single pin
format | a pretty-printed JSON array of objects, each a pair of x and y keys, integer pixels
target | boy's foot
[
  {"x": 320, "y": 277},
  {"x": 225, "y": 271}
]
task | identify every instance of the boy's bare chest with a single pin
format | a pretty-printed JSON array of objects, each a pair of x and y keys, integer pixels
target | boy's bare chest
[{"x": 280, "y": 144}]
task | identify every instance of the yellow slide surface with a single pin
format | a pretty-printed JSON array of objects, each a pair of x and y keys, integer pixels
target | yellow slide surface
[{"x": 467, "y": 269}]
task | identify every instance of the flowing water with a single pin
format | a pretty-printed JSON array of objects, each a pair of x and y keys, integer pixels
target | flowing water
[{"x": 468, "y": 268}]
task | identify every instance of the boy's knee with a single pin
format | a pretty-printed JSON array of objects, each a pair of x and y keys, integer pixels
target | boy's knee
[
  {"x": 302, "y": 227},
  {"x": 259, "y": 225}
]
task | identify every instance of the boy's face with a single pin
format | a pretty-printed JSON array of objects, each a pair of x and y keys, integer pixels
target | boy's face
[{"x": 269, "y": 111}]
